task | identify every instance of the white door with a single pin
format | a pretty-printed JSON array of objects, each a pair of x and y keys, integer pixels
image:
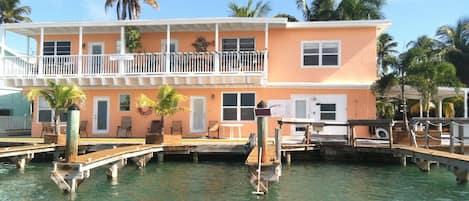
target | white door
[
  {"x": 95, "y": 60},
  {"x": 321, "y": 108},
  {"x": 101, "y": 115},
  {"x": 197, "y": 121}
]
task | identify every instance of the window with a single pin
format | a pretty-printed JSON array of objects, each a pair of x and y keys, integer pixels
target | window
[
  {"x": 45, "y": 114},
  {"x": 328, "y": 111},
  {"x": 238, "y": 44},
  {"x": 124, "y": 102},
  {"x": 238, "y": 106},
  {"x": 300, "y": 112},
  {"x": 5, "y": 112},
  {"x": 54, "y": 48},
  {"x": 324, "y": 53}
]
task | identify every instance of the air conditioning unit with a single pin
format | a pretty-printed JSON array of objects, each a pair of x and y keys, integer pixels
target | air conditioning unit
[{"x": 382, "y": 133}]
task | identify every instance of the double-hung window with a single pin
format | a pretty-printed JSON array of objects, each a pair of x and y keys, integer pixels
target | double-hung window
[
  {"x": 124, "y": 102},
  {"x": 238, "y": 106},
  {"x": 56, "y": 55},
  {"x": 238, "y": 44},
  {"x": 328, "y": 111},
  {"x": 45, "y": 113},
  {"x": 57, "y": 48},
  {"x": 320, "y": 53}
]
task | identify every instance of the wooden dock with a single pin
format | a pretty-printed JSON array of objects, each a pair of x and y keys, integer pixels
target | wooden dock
[
  {"x": 20, "y": 155},
  {"x": 253, "y": 157},
  {"x": 68, "y": 175}
]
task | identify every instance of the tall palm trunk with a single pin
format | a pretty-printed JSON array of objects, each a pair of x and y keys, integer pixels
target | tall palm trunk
[
  {"x": 162, "y": 124},
  {"x": 57, "y": 124}
]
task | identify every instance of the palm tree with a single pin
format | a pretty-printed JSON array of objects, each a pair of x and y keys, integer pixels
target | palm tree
[
  {"x": 290, "y": 18},
  {"x": 455, "y": 41},
  {"x": 261, "y": 9},
  {"x": 324, "y": 10},
  {"x": 11, "y": 12},
  {"x": 385, "y": 106},
  {"x": 59, "y": 98},
  {"x": 320, "y": 10},
  {"x": 130, "y": 8},
  {"x": 360, "y": 9},
  {"x": 166, "y": 102},
  {"x": 385, "y": 50}
]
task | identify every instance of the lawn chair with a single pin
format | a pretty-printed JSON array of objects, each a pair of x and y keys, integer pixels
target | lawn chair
[
  {"x": 82, "y": 129},
  {"x": 176, "y": 126},
  {"x": 155, "y": 127},
  {"x": 47, "y": 128},
  {"x": 124, "y": 130},
  {"x": 213, "y": 127}
]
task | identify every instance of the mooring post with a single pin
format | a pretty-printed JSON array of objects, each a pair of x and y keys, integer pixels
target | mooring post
[
  {"x": 404, "y": 160},
  {"x": 195, "y": 157},
  {"x": 278, "y": 144},
  {"x": 160, "y": 157},
  {"x": 73, "y": 126},
  {"x": 391, "y": 140},
  {"x": 461, "y": 139},
  {"x": 451, "y": 137},
  {"x": 261, "y": 113},
  {"x": 288, "y": 158}
]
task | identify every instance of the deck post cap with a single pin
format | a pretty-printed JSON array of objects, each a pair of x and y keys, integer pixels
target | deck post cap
[{"x": 74, "y": 107}]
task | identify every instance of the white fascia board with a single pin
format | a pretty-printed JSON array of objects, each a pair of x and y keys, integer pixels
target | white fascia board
[
  {"x": 316, "y": 85},
  {"x": 381, "y": 25},
  {"x": 220, "y": 20}
]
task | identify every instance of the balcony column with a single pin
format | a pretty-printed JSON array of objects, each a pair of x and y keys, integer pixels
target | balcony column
[
  {"x": 217, "y": 54},
  {"x": 266, "y": 45},
  {"x": 440, "y": 113},
  {"x": 2, "y": 53},
  {"x": 80, "y": 51},
  {"x": 41, "y": 53},
  {"x": 28, "y": 46},
  {"x": 122, "y": 51},
  {"x": 465, "y": 103},
  {"x": 168, "y": 47}
]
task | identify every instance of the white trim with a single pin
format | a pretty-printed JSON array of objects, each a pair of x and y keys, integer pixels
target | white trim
[
  {"x": 238, "y": 106},
  {"x": 204, "y": 109},
  {"x": 119, "y": 102},
  {"x": 320, "y": 54},
  {"x": 95, "y": 114},
  {"x": 318, "y": 85},
  {"x": 177, "y": 21},
  {"x": 380, "y": 24}
]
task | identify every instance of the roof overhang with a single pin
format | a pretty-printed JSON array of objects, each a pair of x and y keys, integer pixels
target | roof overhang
[
  {"x": 381, "y": 25},
  {"x": 176, "y": 25},
  {"x": 412, "y": 93},
  {"x": 186, "y": 25}
]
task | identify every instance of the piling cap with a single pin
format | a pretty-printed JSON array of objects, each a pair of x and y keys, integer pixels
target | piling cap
[
  {"x": 74, "y": 107},
  {"x": 261, "y": 104}
]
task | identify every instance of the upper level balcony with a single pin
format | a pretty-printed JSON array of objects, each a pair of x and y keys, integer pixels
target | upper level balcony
[{"x": 92, "y": 54}]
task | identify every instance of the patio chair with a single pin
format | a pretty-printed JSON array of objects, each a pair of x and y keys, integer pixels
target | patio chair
[
  {"x": 213, "y": 127},
  {"x": 82, "y": 129},
  {"x": 47, "y": 128},
  {"x": 124, "y": 130},
  {"x": 155, "y": 127},
  {"x": 176, "y": 126}
]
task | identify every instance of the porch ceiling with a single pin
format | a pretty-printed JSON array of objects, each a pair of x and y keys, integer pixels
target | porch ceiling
[
  {"x": 412, "y": 93},
  {"x": 202, "y": 81}
]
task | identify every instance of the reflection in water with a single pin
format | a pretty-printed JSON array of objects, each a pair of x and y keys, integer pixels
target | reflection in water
[{"x": 228, "y": 181}]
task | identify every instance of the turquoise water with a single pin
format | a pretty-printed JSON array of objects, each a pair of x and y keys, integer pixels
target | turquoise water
[{"x": 228, "y": 181}]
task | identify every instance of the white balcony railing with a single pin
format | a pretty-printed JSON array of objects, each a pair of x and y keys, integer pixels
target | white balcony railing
[{"x": 133, "y": 64}]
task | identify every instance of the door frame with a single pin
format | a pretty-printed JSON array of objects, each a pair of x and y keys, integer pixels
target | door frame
[
  {"x": 91, "y": 59},
  {"x": 204, "y": 109},
  {"x": 95, "y": 114}
]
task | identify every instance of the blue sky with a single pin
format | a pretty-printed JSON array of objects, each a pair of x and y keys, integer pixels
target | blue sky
[{"x": 411, "y": 18}]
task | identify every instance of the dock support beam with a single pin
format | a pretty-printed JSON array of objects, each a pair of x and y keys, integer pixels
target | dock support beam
[
  {"x": 195, "y": 157},
  {"x": 73, "y": 125},
  {"x": 288, "y": 158},
  {"x": 424, "y": 165},
  {"x": 141, "y": 161},
  {"x": 113, "y": 170},
  {"x": 462, "y": 176},
  {"x": 21, "y": 161},
  {"x": 403, "y": 161},
  {"x": 160, "y": 157}
]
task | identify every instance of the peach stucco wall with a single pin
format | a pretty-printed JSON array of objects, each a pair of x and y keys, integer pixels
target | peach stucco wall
[{"x": 360, "y": 105}]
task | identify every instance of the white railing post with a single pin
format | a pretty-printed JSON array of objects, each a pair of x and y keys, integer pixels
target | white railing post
[
  {"x": 41, "y": 53},
  {"x": 168, "y": 47},
  {"x": 216, "y": 55},
  {"x": 2, "y": 54},
  {"x": 266, "y": 41},
  {"x": 80, "y": 52},
  {"x": 465, "y": 103},
  {"x": 122, "y": 51}
]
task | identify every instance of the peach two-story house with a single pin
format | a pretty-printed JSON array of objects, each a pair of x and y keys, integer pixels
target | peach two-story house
[{"x": 316, "y": 70}]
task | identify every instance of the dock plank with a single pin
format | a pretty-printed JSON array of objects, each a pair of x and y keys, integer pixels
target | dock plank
[
  {"x": 432, "y": 152},
  {"x": 271, "y": 156},
  {"x": 26, "y": 150},
  {"x": 108, "y": 153}
]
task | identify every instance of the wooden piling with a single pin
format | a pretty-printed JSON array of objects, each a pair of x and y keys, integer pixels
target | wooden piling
[
  {"x": 451, "y": 137},
  {"x": 278, "y": 143},
  {"x": 73, "y": 126},
  {"x": 427, "y": 134}
]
